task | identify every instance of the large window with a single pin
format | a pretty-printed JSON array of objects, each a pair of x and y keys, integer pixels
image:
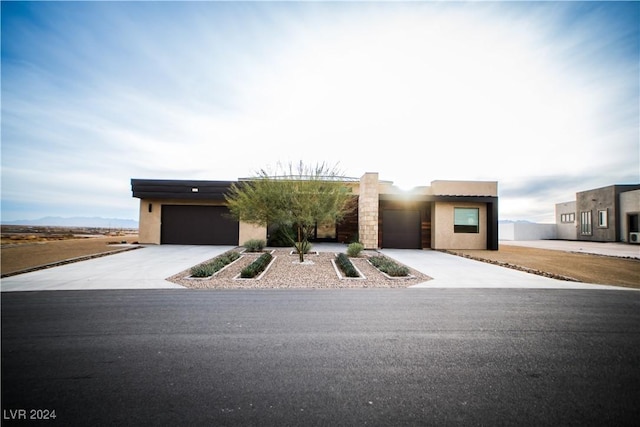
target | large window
[
  {"x": 603, "y": 218},
  {"x": 466, "y": 220},
  {"x": 585, "y": 223}
]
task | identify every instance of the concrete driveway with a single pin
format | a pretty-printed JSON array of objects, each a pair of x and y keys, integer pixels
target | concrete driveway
[
  {"x": 148, "y": 267},
  {"x": 145, "y": 268}
]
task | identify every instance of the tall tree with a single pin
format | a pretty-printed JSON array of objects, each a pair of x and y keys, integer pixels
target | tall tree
[{"x": 299, "y": 196}]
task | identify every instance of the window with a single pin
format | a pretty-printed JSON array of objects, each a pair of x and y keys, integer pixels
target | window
[
  {"x": 568, "y": 217},
  {"x": 603, "y": 218},
  {"x": 466, "y": 220},
  {"x": 585, "y": 223}
]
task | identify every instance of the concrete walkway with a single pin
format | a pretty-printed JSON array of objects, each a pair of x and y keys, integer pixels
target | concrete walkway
[{"x": 145, "y": 268}]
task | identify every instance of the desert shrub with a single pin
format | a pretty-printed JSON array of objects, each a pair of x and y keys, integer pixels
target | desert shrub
[
  {"x": 209, "y": 268},
  {"x": 254, "y": 245},
  {"x": 303, "y": 247},
  {"x": 282, "y": 237},
  {"x": 354, "y": 249},
  {"x": 257, "y": 266},
  {"x": 389, "y": 266},
  {"x": 345, "y": 264}
]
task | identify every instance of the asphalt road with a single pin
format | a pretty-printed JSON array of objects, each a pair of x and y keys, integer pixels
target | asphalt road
[{"x": 322, "y": 357}]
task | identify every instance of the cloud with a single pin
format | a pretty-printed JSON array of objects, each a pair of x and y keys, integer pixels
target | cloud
[{"x": 542, "y": 97}]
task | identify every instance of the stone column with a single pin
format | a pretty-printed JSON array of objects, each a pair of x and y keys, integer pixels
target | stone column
[{"x": 368, "y": 204}]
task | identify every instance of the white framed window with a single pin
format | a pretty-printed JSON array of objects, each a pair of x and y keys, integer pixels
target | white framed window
[
  {"x": 466, "y": 220},
  {"x": 585, "y": 223},
  {"x": 603, "y": 218}
]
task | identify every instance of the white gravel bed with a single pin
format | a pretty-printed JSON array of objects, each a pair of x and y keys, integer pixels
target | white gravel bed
[{"x": 287, "y": 272}]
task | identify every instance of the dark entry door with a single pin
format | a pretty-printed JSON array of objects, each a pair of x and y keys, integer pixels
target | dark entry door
[
  {"x": 198, "y": 225},
  {"x": 401, "y": 229}
]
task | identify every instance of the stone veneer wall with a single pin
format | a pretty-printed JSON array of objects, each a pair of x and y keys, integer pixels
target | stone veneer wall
[{"x": 368, "y": 210}]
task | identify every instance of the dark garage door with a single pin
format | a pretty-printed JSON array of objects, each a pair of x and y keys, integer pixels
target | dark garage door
[
  {"x": 401, "y": 229},
  {"x": 198, "y": 225}
]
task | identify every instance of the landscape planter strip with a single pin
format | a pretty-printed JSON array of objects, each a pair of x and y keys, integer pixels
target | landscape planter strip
[
  {"x": 238, "y": 277},
  {"x": 341, "y": 277},
  {"x": 217, "y": 272}
]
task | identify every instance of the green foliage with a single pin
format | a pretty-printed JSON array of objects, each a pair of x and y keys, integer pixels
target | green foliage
[
  {"x": 354, "y": 249},
  {"x": 344, "y": 263},
  {"x": 257, "y": 266},
  {"x": 303, "y": 247},
  {"x": 389, "y": 266},
  {"x": 282, "y": 237},
  {"x": 299, "y": 197},
  {"x": 211, "y": 267},
  {"x": 254, "y": 245}
]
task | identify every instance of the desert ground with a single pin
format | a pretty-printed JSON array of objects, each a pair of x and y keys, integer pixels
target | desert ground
[{"x": 33, "y": 250}]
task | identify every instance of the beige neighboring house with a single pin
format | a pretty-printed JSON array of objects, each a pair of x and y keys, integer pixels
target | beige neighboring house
[{"x": 444, "y": 215}]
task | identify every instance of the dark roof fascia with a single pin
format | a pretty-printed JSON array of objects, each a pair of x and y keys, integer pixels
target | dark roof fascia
[
  {"x": 432, "y": 198},
  {"x": 179, "y": 189}
]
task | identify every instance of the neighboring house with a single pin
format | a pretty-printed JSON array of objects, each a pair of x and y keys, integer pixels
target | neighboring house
[
  {"x": 445, "y": 215},
  {"x": 607, "y": 214}
]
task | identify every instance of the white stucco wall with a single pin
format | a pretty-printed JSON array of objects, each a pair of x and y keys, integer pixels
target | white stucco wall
[{"x": 526, "y": 231}]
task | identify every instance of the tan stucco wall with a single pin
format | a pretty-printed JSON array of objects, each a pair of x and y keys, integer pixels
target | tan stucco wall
[
  {"x": 250, "y": 231},
  {"x": 442, "y": 235},
  {"x": 629, "y": 204},
  {"x": 368, "y": 207},
  {"x": 464, "y": 188}
]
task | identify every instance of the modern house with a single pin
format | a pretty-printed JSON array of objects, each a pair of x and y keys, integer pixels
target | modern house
[
  {"x": 444, "y": 215},
  {"x": 607, "y": 214}
]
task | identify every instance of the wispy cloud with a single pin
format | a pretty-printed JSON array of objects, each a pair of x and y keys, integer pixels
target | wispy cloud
[{"x": 542, "y": 97}]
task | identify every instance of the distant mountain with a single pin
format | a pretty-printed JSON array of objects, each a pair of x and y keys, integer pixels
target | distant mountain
[
  {"x": 508, "y": 221},
  {"x": 57, "y": 221}
]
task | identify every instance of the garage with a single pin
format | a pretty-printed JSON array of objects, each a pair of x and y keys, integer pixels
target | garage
[
  {"x": 198, "y": 225},
  {"x": 401, "y": 229}
]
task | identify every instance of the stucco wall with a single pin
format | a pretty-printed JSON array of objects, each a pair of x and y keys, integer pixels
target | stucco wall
[
  {"x": 526, "y": 231},
  {"x": 464, "y": 188},
  {"x": 629, "y": 204},
  {"x": 595, "y": 200},
  {"x": 442, "y": 235},
  {"x": 250, "y": 231},
  {"x": 566, "y": 231}
]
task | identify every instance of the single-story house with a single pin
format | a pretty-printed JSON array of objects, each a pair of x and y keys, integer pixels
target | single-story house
[
  {"x": 606, "y": 214},
  {"x": 444, "y": 215}
]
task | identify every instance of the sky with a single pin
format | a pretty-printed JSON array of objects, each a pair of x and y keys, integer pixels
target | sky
[{"x": 542, "y": 97}]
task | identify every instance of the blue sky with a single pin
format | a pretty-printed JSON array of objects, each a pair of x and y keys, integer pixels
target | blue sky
[{"x": 542, "y": 97}]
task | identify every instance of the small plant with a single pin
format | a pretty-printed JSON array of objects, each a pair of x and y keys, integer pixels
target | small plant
[
  {"x": 257, "y": 266},
  {"x": 254, "y": 245},
  {"x": 218, "y": 263},
  {"x": 354, "y": 249},
  {"x": 303, "y": 247},
  {"x": 388, "y": 266},
  {"x": 345, "y": 264}
]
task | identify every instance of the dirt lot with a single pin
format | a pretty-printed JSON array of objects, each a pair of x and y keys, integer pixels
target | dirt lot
[
  {"x": 578, "y": 266},
  {"x": 581, "y": 267},
  {"x": 20, "y": 256}
]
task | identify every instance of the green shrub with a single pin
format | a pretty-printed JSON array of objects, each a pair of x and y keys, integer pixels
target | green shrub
[
  {"x": 209, "y": 268},
  {"x": 303, "y": 247},
  {"x": 257, "y": 266},
  {"x": 254, "y": 245},
  {"x": 354, "y": 249},
  {"x": 282, "y": 237},
  {"x": 389, "y": 266},
  {"x": 345, "y": 264}
]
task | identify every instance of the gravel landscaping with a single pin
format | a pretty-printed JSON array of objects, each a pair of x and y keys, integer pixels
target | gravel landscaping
[{"x": 286, "y": 272}]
